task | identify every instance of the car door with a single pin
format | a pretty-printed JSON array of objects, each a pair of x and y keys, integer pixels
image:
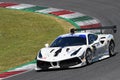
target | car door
[
  {"x": 98, "y": 45},
  {"x": 95, "y": 44}
]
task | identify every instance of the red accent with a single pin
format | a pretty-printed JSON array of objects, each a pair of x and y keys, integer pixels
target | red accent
[
  {"x": 91, "y": 26},
  {"x": 7, "y": 74},
  {"x": 6, "y": 4},
  {"x": 57, "y": 13}
]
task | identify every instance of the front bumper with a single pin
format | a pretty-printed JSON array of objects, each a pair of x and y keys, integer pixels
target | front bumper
[{"x": 69, "y": 63}]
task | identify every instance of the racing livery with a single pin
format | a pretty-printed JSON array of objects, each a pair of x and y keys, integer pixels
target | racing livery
[{"x": 76, "y": 49}]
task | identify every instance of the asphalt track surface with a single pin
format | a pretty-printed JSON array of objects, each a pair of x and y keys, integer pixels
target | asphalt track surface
[{"x": 108, "y": 12}]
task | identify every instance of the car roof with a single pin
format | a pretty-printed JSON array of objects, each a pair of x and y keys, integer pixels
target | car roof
[{"x": 74, "y": 35}]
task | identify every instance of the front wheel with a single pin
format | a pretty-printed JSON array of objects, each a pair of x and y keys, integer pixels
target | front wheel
[
  {"x": 88, "y": 56},
  {"x": 111, "y": 48}
]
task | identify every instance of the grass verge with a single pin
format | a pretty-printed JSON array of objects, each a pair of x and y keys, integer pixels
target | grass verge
[{"x": 22, "y": 34}]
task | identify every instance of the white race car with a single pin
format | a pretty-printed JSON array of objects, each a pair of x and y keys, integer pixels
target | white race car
[{"x": 76, "y": 49}]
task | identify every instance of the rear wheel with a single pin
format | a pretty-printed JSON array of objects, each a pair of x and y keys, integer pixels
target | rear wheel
[
  {"x": 88, "y": 56},
  {"x": 111, "y": 48}
]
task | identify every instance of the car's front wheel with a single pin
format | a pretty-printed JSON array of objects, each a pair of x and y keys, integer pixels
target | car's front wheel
[
  {"x": 88, "y": 56},
  {"x": 111, "y": 48}
]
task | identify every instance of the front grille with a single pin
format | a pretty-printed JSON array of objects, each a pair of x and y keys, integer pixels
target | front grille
[
  {"x": 70, "y": 62},
  {"x": 62, "y": 64},
  {"x": 43, "y": 64}
]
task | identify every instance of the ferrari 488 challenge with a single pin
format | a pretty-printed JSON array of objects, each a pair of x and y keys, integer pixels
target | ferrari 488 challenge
[{"x": 76, "y": 49}]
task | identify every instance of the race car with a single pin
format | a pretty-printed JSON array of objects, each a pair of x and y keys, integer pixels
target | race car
[{"x": 76, "y": 49}]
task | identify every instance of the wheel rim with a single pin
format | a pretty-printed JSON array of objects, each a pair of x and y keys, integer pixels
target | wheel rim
[
  {"x": 111, "y": 48},
  {"x": 89, "y": 57}
]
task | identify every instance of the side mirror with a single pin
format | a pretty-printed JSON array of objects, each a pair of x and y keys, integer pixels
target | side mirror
[{"x": 46, "y": 45}]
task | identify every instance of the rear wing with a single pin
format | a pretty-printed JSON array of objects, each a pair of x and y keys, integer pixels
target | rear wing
[{"x": 113, "y": 28}]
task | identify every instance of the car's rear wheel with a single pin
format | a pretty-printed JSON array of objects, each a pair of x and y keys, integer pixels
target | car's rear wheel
[
  {"x": 111, "y": 48},
  {"x": 88, "y": 56}
]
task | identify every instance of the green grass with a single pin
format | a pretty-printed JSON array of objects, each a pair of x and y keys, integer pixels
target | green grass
[{"x": 22, "y": 34}]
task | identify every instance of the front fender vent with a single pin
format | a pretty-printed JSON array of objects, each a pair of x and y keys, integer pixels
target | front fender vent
[
  {"x": 58, "y": 51},
  {"x": 74, "y": 53}
]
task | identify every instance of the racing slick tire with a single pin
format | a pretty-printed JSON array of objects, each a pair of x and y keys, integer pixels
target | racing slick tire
[
  {"x": 88, "y": 56},
  {"x": 111, "y": 48}
]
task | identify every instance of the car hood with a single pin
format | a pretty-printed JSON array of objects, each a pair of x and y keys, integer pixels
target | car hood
[{"x": 60, "y": 53}]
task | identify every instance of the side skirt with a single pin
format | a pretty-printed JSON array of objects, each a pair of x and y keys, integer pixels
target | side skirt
[{"x": 100, "y": 57}]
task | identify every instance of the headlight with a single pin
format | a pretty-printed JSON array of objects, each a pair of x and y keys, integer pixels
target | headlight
[{"x": 40, "y": 55}]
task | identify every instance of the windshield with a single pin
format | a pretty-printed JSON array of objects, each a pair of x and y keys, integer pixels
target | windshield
[{"x": 69, "y": 41}]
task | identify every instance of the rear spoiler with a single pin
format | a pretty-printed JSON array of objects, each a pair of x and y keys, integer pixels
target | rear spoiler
[{"x": 114, "y": 28}]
